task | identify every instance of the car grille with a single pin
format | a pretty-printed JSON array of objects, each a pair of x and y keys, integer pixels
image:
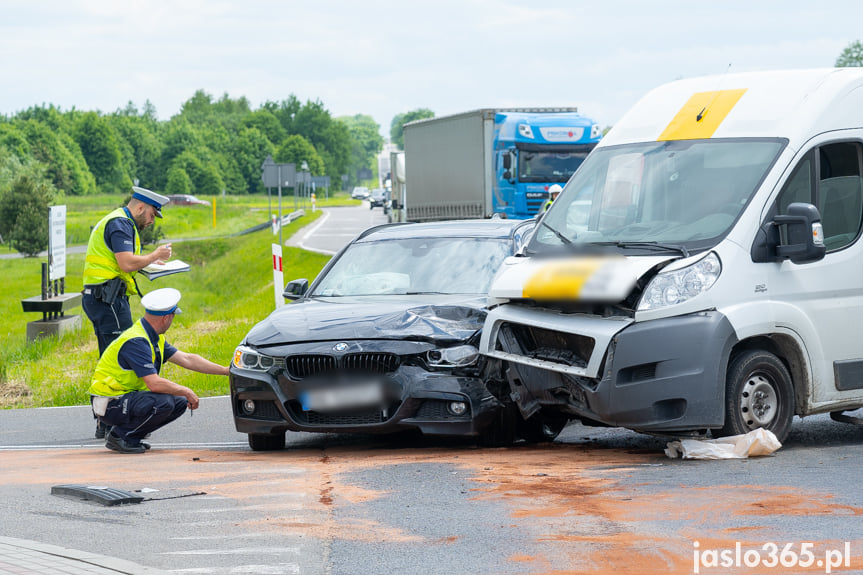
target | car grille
[{"x": 303, "y": 366}]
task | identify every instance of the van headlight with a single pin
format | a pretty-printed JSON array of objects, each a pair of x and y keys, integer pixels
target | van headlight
[
  {"x": 247, "y": 358},
  {"x": 678, "y": 286},
  {"x": 459, "y": 356}
]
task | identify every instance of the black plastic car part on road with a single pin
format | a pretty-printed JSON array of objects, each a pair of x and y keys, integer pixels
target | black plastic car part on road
[{"x": 383, "y": 340}]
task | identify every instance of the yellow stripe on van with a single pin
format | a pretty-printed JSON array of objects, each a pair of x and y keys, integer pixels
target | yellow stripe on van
[
  {"x": 560, "y": 280},
  {"x": 701, "y": 115}
]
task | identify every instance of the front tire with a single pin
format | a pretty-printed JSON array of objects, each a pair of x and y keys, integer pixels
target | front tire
[
  {"x": 543, "y": 428},
  {"x": 266, "y": 442},
  {"x": 758, "y": 393},
  {"x": 501, "y": 431}
]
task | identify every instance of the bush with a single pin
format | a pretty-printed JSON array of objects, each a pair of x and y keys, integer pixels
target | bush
[{"x": 24, "y": 215}]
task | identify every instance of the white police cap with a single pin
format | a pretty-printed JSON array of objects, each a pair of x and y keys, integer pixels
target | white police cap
[
  {"x": 162, "y": 301},
  {"x": 150, "y": 197}
]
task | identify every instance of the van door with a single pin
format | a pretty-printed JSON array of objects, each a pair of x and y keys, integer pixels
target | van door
[{"x": 823, "y": 301}]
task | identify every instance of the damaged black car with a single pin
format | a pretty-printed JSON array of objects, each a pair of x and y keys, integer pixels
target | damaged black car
[{"x": 384, "y": 339}]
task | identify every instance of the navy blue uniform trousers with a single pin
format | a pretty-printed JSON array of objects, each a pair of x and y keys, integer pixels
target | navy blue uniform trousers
[
  {"x": 138, "y": 413},
  {"x": 109, "y": 321}
]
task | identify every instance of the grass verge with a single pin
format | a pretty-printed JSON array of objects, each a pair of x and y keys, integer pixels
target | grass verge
[{"x": 229, "y": 289}]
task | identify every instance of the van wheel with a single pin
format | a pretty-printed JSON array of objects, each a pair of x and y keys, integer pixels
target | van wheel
[
  {"x": 758, "y": 393},
  {"x": 266, "y": 442}
]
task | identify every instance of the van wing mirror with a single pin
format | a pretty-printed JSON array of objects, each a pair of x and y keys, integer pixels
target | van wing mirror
[
  {"x": 803, "y": 237},
  {"x": 296, "y": 289}
]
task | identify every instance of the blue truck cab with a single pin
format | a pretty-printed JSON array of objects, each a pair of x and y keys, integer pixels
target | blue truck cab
[{"x": 535, "y": 150}]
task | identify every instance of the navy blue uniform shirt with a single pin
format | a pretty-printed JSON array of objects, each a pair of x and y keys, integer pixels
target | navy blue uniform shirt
[
  {"x": 120, "y": 234},
  {"x": 135, "y": 354}
]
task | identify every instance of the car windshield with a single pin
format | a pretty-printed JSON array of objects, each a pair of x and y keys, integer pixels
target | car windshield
[
  {"x": 675, "y": 194},
  {"x": 415, "y": 266}
]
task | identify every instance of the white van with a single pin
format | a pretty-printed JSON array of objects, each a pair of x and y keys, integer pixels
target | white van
[{"x": 703, "y": 269}]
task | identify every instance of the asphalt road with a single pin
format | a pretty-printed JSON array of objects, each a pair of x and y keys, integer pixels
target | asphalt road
[
  {"x": 594, "y": 501},
  {"x": 336, "y": 227}
]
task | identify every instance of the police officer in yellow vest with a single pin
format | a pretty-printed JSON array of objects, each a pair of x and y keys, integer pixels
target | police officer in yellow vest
[
  {"x": 113, "y": 258},
  {"x": 127, "y": 392}
]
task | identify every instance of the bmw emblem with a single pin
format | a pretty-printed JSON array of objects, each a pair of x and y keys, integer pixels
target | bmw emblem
[{"x": 341, "y": 346}]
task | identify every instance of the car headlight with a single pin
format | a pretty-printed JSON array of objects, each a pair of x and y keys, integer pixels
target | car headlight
[
  {"x": 678, "y": 286},
  {"x": 595, "y": 131},
  {"x": 458, "y": 356},
  {"x": 247, "y": 358}
]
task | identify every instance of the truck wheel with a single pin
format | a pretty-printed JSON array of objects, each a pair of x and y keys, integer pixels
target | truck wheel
[
  {"x": 758, "y": 393},
  {"x": 266, "y": 442}
]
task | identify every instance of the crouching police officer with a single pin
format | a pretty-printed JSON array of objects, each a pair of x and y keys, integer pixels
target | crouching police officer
[{"x": 127, "y": 392}]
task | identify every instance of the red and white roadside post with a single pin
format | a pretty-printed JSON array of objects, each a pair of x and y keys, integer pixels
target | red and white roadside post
[{"x": 278, "y": 276}]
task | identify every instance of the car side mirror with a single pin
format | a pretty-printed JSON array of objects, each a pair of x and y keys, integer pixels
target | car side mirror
[
  {"x": 803, "y": 240},
  {"x": 296, "y": 289}
]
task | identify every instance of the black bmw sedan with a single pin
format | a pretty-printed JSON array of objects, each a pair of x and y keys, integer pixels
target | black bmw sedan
[{"x": 383, "y": 340}]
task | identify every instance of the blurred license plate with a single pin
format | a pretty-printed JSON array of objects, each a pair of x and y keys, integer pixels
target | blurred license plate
[{"x": 359, "y": 395}]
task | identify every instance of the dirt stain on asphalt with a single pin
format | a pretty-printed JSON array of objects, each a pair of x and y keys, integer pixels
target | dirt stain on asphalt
[{"x": 578, "y": 507}]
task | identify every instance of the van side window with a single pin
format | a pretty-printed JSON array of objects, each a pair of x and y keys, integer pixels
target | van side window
[{"x": 834, "y": 184}]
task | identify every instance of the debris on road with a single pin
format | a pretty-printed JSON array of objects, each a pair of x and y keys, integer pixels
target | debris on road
[{"x": 757, "y": 442}]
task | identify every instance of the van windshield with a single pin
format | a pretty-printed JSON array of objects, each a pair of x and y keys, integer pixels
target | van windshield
[{"x": 679, "y": 193}]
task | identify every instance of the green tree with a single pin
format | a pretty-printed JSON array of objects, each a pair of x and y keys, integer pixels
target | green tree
[
  {"x": 296, "y": 150},
  {"x": 251, "y": 148},
  {"x": 330, "y": 138},
  {"x": 178, "y": 182},
  {"x": 66, "y": 166},
  {"x": 366, "y": 142},
  {"x": 98, "y": 144},
  {"x": 266, "y": 123},
  {"x": 139, "y": 144},
  {"x": 852, "y": 55},
  {"x": 24, "y": 214},
  {"x": 15, "y": 142},
  {"x": 203, "y": 172},
  {"x": 178, "y": 136},
  {"x": 397, "y": 134}
]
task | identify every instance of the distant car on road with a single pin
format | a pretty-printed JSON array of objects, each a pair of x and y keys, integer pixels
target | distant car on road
[
  {"x": 383, "y": 340},
  {"x": 187, "y": 200},
  {"x": 360, "y": 193},
  {"x": 378, "y": 198}
]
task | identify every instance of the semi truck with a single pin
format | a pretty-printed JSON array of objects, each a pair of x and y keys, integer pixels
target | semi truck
[
  {"x": 492, "y": 161},
  {"x": 703, "y": 269}
]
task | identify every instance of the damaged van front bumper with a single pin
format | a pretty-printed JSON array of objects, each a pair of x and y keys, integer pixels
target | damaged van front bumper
[{"x": 659, "y": 376}]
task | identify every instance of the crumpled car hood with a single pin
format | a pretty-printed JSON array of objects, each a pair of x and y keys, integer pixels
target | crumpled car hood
[{"x": 424, "y": 318}]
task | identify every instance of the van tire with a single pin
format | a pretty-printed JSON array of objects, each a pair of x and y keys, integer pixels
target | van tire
[{"x": 758, "y": 393}]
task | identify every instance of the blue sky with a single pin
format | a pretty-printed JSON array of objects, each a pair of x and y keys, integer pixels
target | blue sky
[{"x": 382, "y": 58}]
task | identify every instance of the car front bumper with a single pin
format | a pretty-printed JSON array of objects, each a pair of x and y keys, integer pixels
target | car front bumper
[{"x": 423, "y": 401}]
